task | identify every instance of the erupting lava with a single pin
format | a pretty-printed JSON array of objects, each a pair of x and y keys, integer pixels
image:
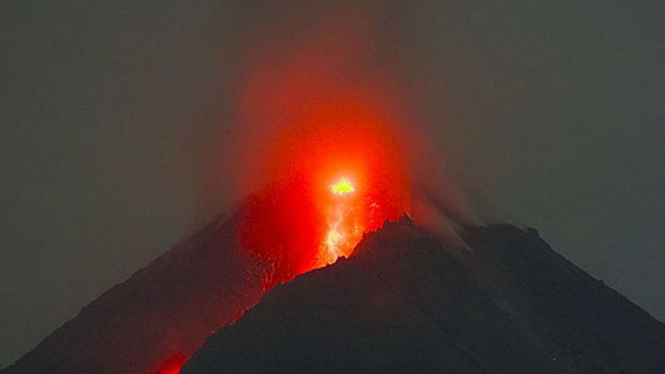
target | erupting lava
[
  {"x": 327, "y": 186},
  {"x": 336, "y": 173},
  {"x": 328, "y": 139},
  {"x": 344, "y": 230},
  {"x": 343, "y": 186}
]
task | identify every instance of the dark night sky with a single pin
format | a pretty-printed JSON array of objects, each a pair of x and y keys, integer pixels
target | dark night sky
[{"x": 552, "y": 111}]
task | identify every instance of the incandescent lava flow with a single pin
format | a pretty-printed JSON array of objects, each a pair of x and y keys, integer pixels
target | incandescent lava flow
[
  {"x": 322, "y": 136},
  {"x": 327, "y": 185},
  {"x": 344, "y": 230}
]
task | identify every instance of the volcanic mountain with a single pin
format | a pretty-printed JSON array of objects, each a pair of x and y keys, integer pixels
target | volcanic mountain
[{"x": 403, "y": 302}]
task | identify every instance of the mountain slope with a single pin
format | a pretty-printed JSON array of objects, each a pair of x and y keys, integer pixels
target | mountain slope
[
  {"x": 405, "y": 304},
  {"x": 156, "y": 319},
  {"x": 586, "y": 325},
  {"x": 164, "y": 312},
  {"x": 402, "y": 303}
]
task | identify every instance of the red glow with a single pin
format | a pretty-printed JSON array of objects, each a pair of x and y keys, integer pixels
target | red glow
[
  {"x": 299, "y": 222},
  {"x": 344, "y": 229},
  {"x": 342, "y": 187},
  {"x": 173, "y": 365},
  {"x": 313, "y": 110},
  {"x": 311, "y": 116}
]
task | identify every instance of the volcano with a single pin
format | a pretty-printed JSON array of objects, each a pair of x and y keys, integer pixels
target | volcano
[
  {"x": 404, "y": 303},
  {"x": 503, "y": 302}
]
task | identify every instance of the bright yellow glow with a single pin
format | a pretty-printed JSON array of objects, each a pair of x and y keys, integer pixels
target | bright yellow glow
[
  {"x": 332, "y": 240},
  {"x": 342, "y": 187},
  {"x": 343, "y": 230}
]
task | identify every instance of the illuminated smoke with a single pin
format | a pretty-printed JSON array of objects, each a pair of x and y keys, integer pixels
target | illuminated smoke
[{"x": 327, "y": 148}]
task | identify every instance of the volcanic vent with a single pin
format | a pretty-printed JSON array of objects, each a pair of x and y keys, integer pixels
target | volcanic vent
[{"x": 317, "y": 208}]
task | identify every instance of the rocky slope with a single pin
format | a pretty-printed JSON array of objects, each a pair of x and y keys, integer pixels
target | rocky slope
[
  {"x": 404, "y": 303},
  {"x": 163, "y": 313}
]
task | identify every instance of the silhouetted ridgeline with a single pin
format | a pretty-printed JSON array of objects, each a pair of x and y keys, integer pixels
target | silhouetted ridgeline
[{"x": 404, "y": 304}]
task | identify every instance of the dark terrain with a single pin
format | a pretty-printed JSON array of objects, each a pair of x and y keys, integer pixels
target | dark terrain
[
  {"x": 403, "y": 303},
  {"x": 163, "y": 312}
]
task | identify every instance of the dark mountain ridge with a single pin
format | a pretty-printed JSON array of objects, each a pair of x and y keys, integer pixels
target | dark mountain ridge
[
  {"x": 587, "y": 325},
  {"x": 404, "y": 303}
]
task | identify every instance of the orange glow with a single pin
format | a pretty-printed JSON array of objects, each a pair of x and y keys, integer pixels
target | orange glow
[
  {"x": 317, "y": 154},
  {"x": 325, "y": 136},
  {"x": 310, "y": 215},
  {"x": 342, "y": 186},
  {"x": 344, "y": 228},
  {"x": 330, "y": 181}
]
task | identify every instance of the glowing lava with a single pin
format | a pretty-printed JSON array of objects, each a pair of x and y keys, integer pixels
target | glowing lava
[
  {"x": 325, "y": 148},
  {"x": 329, "y": 181},
  {"x": 343, "y": 186},
  {"x": 173, "y": 365},
  {"x": 344, "y": 228}
]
